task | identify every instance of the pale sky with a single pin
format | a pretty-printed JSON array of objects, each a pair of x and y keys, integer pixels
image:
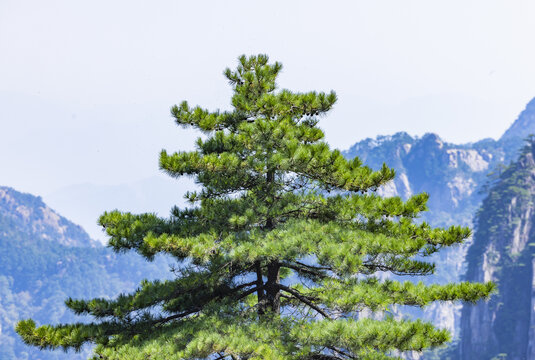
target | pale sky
[{"x": 86, "y": 86}]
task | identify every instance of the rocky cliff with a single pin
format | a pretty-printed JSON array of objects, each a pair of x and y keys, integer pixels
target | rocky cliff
[
  {"x": 452, "y": 174},
  {"x": 503, "y": 251},
  {"x": 456, "y": 178}
]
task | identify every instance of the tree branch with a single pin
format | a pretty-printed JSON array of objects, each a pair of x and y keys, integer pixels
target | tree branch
[
  {"x": 303, "y": 299},
  {"x": 301, "y": 269},
  {"x": 314, "y": 267}
]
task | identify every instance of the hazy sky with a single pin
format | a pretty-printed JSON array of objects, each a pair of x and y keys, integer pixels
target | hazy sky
[{"x": 86, "y": 86}]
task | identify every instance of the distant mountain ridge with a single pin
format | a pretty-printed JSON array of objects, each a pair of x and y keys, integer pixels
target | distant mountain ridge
[
  {"x": 29, "y": 214},
  {"x": 451, "y": 173},
  {"x": 44, "y": 259},
  {"x": 456, "y": 176},
  {"x": 524, "y": 124}
]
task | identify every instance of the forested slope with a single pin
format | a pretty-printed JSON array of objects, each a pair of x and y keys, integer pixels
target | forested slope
[
  {"x": 503, "y": 251},
  {"x": 44, "y": 258}
]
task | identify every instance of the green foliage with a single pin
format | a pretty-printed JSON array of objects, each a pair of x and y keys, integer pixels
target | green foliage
[
  {"x": 508, "y": 198},
  {"x": 503, "y": 221},
  {"x": 281, "y": 250}
]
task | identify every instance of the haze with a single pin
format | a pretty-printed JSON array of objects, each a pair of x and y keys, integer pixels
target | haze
[{"x": 86, "y": 86}]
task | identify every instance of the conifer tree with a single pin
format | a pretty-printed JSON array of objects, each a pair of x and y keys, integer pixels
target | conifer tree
[{"x": 282, "y": 250}]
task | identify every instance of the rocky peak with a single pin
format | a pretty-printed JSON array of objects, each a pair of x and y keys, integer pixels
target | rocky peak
[
  {"x": 524, "y": 125},
  {"x": 28, "y": 214},
  {"x": 455, "y": 176},
  {"x": 431, "y": 140}
]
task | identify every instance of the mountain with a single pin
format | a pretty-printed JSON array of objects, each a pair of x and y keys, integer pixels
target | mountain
[
  {"x": 503, "y": 251},
  {"x": 29, "y": 216},
  {"x": 456, "y": 177},
  {"x": 524, "y": 125},
  {"x": 44, "y": 259},
  {"x": 452, "y": 174}
]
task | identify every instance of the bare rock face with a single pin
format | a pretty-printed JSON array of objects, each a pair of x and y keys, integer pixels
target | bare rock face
[
  {"x": 453, "y": 175},
  {"x": 503, "y": 251},
  {"x": 30, "y": 215}
]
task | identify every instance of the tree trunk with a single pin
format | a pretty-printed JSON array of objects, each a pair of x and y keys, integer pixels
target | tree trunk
[
  {"x": 272, "y": 289},
  {"x": 260, "y": 286},
  {"x": 273, "y": 274}
]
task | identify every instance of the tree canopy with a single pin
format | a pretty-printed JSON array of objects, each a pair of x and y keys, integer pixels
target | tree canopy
[{"x": 283, "y": 250}]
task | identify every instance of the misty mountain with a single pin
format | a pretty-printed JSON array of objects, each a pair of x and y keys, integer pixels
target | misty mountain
[
  {"x": 45, "y": 258},
  {"x": 503, "y": 251},
  {"x": 456, "y": 176}
]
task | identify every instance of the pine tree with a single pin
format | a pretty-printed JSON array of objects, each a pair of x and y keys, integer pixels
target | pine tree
[{"x": 283, "y": 249}]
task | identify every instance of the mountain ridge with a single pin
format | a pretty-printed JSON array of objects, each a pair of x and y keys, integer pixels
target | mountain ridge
[
  {"x": 524, "y": 125},
  {"x": 22, "y": 209},
  {"x": 456, "y": 176},
  {"x": 452, "y": 173},
  {"x": 39, "y": 273}
]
